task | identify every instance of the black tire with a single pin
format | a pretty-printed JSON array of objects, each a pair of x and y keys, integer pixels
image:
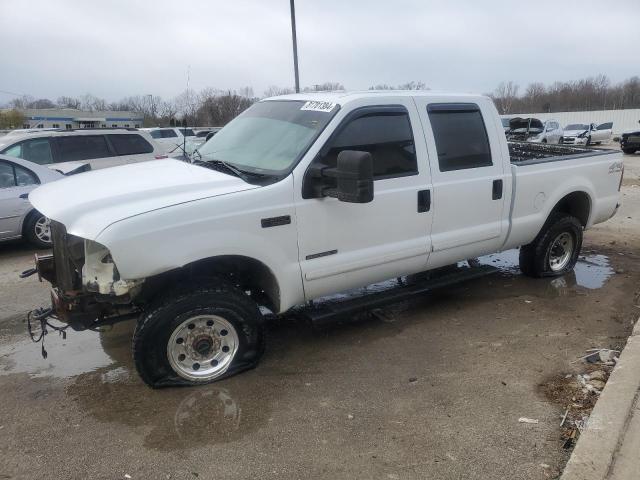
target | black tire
[
  {"x": 629, "y": 151},
  {"x": 544, "y": 140},
  {"x": 535, "y": 257},
  {"x": 30, "y": 233},
  {"x": 588, "y": 141},
  {"x": 163, "y": 317},
  {"x": 560, "y": 141}
]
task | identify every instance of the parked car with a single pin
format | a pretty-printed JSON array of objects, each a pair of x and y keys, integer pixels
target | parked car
[
  {"x": 207, "y": 132},
  {"x": 100, "y": 148},
  {"x": 587, "y": 134},
  {"x": 552, "y": 133},
  {"x": 18, "y": 218},
  {"x": 304, "y": 196},
  {"x": 534, "y": 130},
  {"x": 173, "y": 139},
  {"x": 630, "y": 141}
]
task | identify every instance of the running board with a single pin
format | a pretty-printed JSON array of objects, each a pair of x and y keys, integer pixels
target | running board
[{"x": 327, "y": 311}]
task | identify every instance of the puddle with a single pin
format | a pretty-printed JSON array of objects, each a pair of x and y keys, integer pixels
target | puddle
[
  {"x": 79, "y": 353},
  {"x": 592, "y": 270},
  {"x": 175, "y": 419}
]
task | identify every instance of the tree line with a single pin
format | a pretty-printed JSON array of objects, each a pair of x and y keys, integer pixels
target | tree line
[
  {"x": 587, "y": 94},
  {"x": 210, "y": 106},
  {"x": 215, "y": 107}
]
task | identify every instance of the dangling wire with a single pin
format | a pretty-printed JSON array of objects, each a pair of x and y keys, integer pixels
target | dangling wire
[{"x": 42, "y": 315}]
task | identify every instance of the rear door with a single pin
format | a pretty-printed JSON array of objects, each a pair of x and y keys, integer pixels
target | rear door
[
  {"x": 93, "y": 149},
  {"x": 468, "y": 181}
]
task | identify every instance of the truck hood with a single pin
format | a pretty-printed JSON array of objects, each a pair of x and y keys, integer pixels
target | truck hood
[{"x": 88, "y": 203}]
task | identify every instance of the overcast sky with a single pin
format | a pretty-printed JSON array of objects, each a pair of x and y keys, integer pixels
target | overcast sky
[{"x": 117, "y": 48}]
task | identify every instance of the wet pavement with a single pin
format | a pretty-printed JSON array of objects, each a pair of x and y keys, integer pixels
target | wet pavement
[{"x": 431, "y": 387}]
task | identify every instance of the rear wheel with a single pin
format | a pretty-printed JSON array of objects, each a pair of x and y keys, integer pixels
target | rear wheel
[
  {"x": 555, "y": 250},
  {"x": 198, "y": 334},
  {"x": 37, "y": 230},
  {"x": 629, "y": 151}
]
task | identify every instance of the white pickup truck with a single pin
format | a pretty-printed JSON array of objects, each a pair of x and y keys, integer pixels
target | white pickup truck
[{"x": 300, "y": 197}]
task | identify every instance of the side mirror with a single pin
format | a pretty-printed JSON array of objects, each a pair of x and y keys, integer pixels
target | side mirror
[{"x": 350, "y": 181}]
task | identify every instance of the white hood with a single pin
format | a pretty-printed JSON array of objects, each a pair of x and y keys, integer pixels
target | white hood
[{"x": 88, "y": 203}]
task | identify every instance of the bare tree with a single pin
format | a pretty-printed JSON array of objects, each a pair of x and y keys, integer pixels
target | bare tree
[
  {"x": 324, "y": 87},
  {"x": 69, "y": 102},
  {"x": 505, "y": 95},
  {"x": 403, "y": 86},
  {"x": 274, "y": 91}
]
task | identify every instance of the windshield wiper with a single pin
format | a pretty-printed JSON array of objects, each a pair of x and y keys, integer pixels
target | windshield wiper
[{"x": 215, "y": 161}]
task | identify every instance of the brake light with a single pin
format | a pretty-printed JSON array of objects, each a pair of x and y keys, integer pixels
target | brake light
[{"x": 160, "y": 157}]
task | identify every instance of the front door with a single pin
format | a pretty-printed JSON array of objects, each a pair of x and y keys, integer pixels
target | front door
[
  {"x": 15, "y": 183},
  {"x": 345, "y": 245},
  {"x": 469, "y": 182}
]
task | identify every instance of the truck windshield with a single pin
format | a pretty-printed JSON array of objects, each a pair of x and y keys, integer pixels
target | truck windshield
[{"x": 270, "y": 137}]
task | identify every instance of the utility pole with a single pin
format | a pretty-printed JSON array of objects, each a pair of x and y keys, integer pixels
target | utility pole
[{"x": 295, "y": 44}]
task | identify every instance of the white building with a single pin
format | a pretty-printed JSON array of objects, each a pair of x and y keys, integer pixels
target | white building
[{"x": 69, "y": 118}]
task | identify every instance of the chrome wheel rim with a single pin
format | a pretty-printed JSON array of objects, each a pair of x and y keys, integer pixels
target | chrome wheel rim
[
  {"x": 561, "y": 252},
  {"x": 202, "y": 347},
  {"x": 43, "y": 229}
]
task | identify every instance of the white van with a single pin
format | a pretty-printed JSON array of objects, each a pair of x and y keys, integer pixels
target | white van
[{"x": 100, "y": 148}]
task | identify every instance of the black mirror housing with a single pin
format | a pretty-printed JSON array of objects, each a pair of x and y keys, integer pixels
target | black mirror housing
[
  {"x": 350, "y": 181},
  {"x": 355, "y": 177}
]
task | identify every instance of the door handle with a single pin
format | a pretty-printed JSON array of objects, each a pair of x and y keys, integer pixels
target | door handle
[
  {"x": 496, "y": 193},
  {"x": 424, "y": 201},
  {"x": 24, "y": 195}
]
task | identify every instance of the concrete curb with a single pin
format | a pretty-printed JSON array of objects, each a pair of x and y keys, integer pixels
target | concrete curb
[{"x": 601, "y": 451}]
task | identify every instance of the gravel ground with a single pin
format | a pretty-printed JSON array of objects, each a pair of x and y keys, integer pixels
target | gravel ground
[{"x": 430, "y": 388}]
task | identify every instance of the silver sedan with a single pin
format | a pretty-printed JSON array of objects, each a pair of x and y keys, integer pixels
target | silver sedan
[{"x": 18, "y": 219}]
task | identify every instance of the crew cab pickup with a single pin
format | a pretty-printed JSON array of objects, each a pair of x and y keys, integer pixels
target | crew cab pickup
[{"x": 300, "y": 197}]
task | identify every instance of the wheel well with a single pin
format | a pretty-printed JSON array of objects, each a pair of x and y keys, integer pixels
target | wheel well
[
  {"x": 246, "y": 273},
  {"x": 577, "y": 204},
  {"x": 26, "y": 219}
]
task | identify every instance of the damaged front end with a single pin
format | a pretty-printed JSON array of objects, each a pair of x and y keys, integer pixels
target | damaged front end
[{"x": 87, "y": 290}]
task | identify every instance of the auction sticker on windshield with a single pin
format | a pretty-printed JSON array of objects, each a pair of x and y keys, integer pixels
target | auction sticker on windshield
[{"x": 318, "y": 106}]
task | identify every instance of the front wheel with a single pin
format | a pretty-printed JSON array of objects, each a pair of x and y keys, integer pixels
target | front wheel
[
  {"x": 629, "y": 151},
  {"x": 555, "y": 250},
  {"x": 37, "y": 229},
  {"x": 198, "y": 335}
]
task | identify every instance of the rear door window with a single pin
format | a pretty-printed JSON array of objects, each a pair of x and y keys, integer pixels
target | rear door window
[
  {"x": 168, "y": 133},
  {"x": 15, "y": 175},
  {"x": 7, "y": 179},
  {"x": 605, "y": 126},
  {"x": 127, "y": 144},
  {"x": 24, "y": 177},
  {"x": 82, "y": 147},
  {"x": 460, "y": 136},
  {"x": 155, "y": 134}
]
